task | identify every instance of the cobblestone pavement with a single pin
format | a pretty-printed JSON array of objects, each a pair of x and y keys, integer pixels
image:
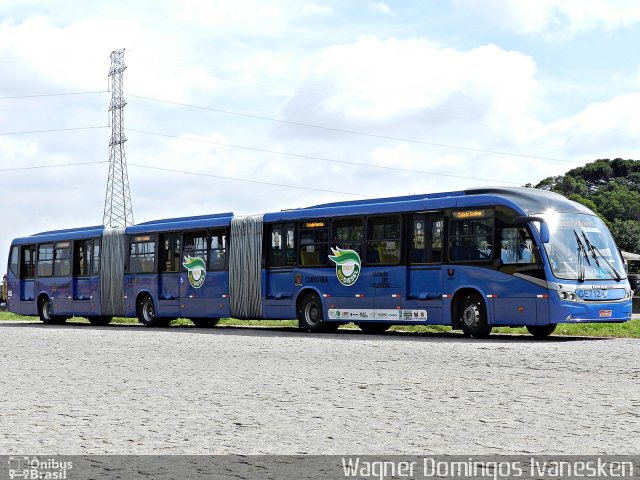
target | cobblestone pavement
[{"x": 80, "y": 389}]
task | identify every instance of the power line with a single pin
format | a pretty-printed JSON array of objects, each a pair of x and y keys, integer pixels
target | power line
[
  {"x": 247, "y": 181},
  {"x": 311, "y": 157},
  {"x": 51, "y": 166},
  {"x": 353, "y": 132},
  {"x": 53, "y": 94},
  {"x": 53, "y": 130}
]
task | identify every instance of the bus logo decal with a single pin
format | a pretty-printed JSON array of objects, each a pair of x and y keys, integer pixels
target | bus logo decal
[
  {"x": 347, "y": 265},
  {"x": 197, "y": 270}
]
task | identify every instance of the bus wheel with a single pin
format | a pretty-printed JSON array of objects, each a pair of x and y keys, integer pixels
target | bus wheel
[
  {"x": 311, "y": 318},
  {"x": 45, "y": 310},
  {"x": 374, "y": 327},
  {"x": 473, "y": 317},
  {"x": 205, "y": 322},
  {"x": 541, "y": 331},
  {"x": 102, "y": 320},
  {"x": 147, "y": 314}
]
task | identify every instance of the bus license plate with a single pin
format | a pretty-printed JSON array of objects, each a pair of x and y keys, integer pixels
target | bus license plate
[
  {"x": 605, "y": 313},
  {"x": 592, "y": 294}
]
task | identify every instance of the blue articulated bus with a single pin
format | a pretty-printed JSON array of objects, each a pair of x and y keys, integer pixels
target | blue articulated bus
[{"x": 471, "y": 259}]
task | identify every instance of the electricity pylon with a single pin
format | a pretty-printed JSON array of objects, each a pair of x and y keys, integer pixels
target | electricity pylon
[{"x": 118, "y": 211}]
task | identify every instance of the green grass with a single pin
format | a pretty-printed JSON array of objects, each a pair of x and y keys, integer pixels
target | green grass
[{"x": 630, "y": 329}]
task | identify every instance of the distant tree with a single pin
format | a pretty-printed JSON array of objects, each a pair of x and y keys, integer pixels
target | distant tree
[{"x": 627, "y": 235}]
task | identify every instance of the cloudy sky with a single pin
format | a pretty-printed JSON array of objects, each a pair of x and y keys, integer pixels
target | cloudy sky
[{"x": 252, "y": 106}]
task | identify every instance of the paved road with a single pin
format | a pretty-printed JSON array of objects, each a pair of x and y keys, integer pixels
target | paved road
[{"x": 127, "y": 389}]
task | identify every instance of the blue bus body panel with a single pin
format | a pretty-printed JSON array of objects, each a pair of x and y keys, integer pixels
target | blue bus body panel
[
  {"x": 174, "y": 297},
  {"x": 69, "y": 295}
]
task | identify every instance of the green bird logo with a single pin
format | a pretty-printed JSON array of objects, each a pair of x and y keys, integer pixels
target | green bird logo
[
  {"x": 347, "y": 265},
  {"x": 197, "y": 270}
]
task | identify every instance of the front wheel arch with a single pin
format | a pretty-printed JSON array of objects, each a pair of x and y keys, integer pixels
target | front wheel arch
[{"x": 472, "y": 315}]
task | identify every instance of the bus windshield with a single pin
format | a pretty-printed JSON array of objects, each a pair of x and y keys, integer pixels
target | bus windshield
[{"x": 581, "y": 248}]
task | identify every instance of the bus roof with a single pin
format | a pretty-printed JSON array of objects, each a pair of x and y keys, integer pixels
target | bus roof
[
  {"x": 183, "y": 223},
  {"x": 525, "y": 201},
  {"x": 164, "y": 225},
  {"x": 58, "y": 235}
]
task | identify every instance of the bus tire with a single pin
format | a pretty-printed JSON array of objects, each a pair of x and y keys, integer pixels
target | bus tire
[
  {"x": 373, "y": 328},
  {"x": 541, "y": 331},
  {"x": 473, "y": 316},
  {"x": 311, "y": 317},
  {"x": 147, "y": 313},
  {"x": 100, "y": 320},
  {"x": 45, "y": 309},
  {"x": 205, "y": 322}
]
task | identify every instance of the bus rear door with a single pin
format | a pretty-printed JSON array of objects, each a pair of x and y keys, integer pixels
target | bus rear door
[
  {"x": 169, "y": 274},
  {"x": 279, "y": 277},
  {"x": 26, "y": 294}
]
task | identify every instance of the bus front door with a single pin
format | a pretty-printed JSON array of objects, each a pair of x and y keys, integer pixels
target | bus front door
[{"x": 424, "y": 289}]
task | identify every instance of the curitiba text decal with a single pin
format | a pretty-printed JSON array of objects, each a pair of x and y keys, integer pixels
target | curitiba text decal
[
  {"x": 197, "y": 270},
  {"x": 347, "y": 265}
]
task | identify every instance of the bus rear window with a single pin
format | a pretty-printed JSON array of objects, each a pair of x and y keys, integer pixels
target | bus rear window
[{"x": 13, "y": 261}]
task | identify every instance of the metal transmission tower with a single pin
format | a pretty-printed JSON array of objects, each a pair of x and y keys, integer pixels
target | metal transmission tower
[{"x": 118, "y": 211}]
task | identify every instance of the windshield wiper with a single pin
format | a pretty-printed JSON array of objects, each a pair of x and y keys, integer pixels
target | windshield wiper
[
  {"x": 595, "y": 252},
  {"x": 581, "y": 248}
]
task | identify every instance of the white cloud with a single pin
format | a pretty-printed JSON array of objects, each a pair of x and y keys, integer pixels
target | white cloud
[
  {"x": 556, "y": 18},
  {"x": 602, "y": 130},
  {"x": 382, "y": 7},
  {"x": 414, "y": 86}
]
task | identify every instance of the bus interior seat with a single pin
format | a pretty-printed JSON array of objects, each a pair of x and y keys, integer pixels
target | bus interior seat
[
  {"x": 387, "y": 256},
  {"x": 309, "y": 258}
]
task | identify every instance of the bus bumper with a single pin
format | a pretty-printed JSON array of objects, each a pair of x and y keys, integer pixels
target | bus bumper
[{"x": 586, "y": 312}]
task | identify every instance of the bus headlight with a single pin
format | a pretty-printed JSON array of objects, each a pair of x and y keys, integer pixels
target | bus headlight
[
  {"x": 570, "y": 296},
  {"x": 628, "y": 294}
]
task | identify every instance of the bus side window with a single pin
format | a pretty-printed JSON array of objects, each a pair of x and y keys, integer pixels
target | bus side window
[
  {"x": 28, "y": 261},
  {"x": 62, "y": 259},
  {"x": 195, "y": 245},
  {"x": 349, "y": 234},
  {"x": 13, "y": 261},
  {"x": 383, "y": 239},
  {"x": 471, "y": 240},
  {"x": 218, "y": 250},
  {"x": 142, "y": 254},
  {"x": 45, "y": 260},
  {"x": 516, "y": 246},
  {"x": 314, "y": 243}
]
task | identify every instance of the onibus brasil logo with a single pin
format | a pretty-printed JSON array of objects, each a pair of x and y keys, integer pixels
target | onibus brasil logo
[
  {"x": 347, "y": 265},
  {"x": 197, "y": 270}
]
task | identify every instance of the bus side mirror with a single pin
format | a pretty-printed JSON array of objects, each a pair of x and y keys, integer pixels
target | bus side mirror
[
  {"x": 544, "y": 232},
  {"x": 544, "y": 227}
]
